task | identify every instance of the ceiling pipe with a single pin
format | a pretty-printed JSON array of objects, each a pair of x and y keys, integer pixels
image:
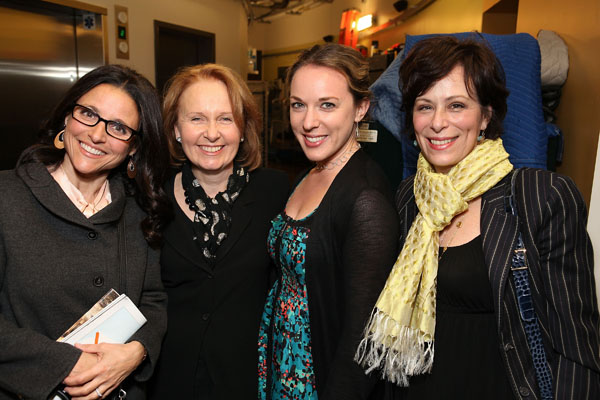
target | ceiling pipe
[{"x": 276, "y": 9}]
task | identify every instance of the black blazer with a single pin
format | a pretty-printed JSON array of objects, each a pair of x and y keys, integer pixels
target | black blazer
[
  {"x": 552, "y": 219},
  {"x": 210, "y": 350}
]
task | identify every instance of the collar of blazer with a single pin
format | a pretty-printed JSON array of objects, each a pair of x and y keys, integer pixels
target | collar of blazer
[
  {"x": 241, "y": 217},
  {"x": 47, "y": 191}
]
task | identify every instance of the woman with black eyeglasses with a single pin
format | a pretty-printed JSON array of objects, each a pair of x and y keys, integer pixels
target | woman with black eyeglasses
[{"x": 70, "y": 219}]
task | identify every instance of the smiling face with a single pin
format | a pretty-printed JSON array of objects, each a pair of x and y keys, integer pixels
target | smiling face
[
  {"x": 90, "y": 153},
  {"x": 209, "y": 136},
  {"x": 447, "y": 121},
  {"x": 323, "y": 112}
]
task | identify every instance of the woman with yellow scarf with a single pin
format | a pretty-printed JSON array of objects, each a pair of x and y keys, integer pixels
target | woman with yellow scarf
[{"x": 493, "y": 294}]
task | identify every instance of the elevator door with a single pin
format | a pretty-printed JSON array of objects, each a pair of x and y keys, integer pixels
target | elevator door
[{"x": 44, "y": 49}]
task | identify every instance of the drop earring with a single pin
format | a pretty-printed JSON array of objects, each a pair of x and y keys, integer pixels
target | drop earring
[
  {"x": 131, "y": 171},
  {"x": 481, "y": 136},
  {"x": 59, "y": 140},
  {"x": 415, "y": 143}
]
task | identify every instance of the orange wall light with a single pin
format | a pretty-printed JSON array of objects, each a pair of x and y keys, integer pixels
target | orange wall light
[{"x": 348, "y": 28}]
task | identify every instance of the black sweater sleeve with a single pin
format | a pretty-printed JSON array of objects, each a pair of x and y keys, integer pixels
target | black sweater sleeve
[{"x": 368, "y": 254}]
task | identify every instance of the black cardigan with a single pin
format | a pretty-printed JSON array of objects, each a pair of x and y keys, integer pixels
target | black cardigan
[
  {"x": 351, "y": 249},
  {"x": 210, "y": 350}
]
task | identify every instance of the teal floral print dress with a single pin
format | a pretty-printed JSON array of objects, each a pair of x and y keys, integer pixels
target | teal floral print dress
[{"x": 285, "y": 369}]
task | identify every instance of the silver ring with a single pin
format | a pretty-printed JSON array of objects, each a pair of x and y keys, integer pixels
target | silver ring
[{"x": 99, "y": 394}]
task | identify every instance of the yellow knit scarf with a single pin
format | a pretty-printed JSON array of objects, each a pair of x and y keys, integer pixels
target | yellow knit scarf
[{"x": 399, "y": 336}]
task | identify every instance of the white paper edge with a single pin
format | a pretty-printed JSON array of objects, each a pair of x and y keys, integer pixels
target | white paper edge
[{"x": 594, "y": 220}]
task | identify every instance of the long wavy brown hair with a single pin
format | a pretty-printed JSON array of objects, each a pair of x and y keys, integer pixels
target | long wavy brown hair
[{"x": 150, "y": 159}]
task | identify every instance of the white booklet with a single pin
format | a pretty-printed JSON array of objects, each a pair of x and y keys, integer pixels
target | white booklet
[{"x": 113, "y": 319}]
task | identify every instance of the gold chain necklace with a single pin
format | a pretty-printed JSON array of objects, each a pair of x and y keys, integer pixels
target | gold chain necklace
[
  {"x": 458, "y": 225},
  {"x": 97, "y": 201}
]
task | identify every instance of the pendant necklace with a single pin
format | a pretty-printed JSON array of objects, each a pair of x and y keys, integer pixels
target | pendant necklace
[{"x": 458, "y": 225}]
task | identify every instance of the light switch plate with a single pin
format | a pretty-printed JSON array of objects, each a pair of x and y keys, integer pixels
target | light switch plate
[{"x": 122, "y": 32}]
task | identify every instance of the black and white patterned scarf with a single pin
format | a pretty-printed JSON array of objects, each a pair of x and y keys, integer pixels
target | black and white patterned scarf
[{"x": 212, "y": 216}]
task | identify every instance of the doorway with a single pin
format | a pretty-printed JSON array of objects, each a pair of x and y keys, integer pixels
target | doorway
[{"x": 177, "y": 46}]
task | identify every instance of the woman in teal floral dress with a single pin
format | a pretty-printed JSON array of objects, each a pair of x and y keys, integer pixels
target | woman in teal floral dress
[
  {"x": 335, "y": 242},
  {"x": 291, "y": 352}
]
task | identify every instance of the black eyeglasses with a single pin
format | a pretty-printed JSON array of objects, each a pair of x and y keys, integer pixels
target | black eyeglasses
[{"x": 115, "y": 129}]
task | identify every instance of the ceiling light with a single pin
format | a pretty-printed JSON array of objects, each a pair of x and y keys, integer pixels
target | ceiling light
[{"x": 365, "y": 22}]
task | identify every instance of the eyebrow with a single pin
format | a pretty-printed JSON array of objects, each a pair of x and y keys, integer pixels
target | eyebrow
[
  {"x": 94, "y": 109},
  {"x": 320, "y": 98},
  {"x": 119, "y": 121},
  {"x": 202, "y": 114},
  {"x": 460, "y": 96}
]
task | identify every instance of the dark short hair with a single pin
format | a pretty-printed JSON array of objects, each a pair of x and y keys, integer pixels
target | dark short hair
[
  {"x": 432, "y": 59},
  {"x": 150, "y": 158},
  {"x": 345, "y": 60},
  {"x": 246, "y": 115}
]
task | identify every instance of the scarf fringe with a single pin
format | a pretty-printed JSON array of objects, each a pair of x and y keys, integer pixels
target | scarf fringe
[{"x": 398, "y": 356}]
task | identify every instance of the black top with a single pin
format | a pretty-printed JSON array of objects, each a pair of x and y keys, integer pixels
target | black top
[
  {"x": 467, "y": 362},
  {"x": 209, "y": 351},
  {"x": 352, "y": 246},
  {"x": 553, "y": 220}
]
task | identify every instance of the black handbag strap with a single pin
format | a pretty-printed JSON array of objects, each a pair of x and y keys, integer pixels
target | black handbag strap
[
  {"x": 122, "y": 253},
  {"x": 519, "y": 269},
  {"x": 119, "y": 393}
]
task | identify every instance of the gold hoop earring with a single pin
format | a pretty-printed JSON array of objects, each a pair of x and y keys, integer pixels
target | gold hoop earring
[{"x": 59, "y": 140}]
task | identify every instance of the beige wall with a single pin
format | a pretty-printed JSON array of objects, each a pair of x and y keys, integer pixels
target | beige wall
[
  {"x": 289, "y": 31},
  {"x": 442, "y": 16},
  {"x": 225, "y": 18},
  {"x": 578, "y": 115},
  {"x": 286, "y": 36},
  {"x": 282, "y": 58}
]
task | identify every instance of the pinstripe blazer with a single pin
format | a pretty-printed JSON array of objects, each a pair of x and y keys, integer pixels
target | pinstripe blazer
[{"x": 553, "y": 218}]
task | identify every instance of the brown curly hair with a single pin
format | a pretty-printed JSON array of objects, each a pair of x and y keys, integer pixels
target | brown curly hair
[{"x": 432, "y": 59}]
